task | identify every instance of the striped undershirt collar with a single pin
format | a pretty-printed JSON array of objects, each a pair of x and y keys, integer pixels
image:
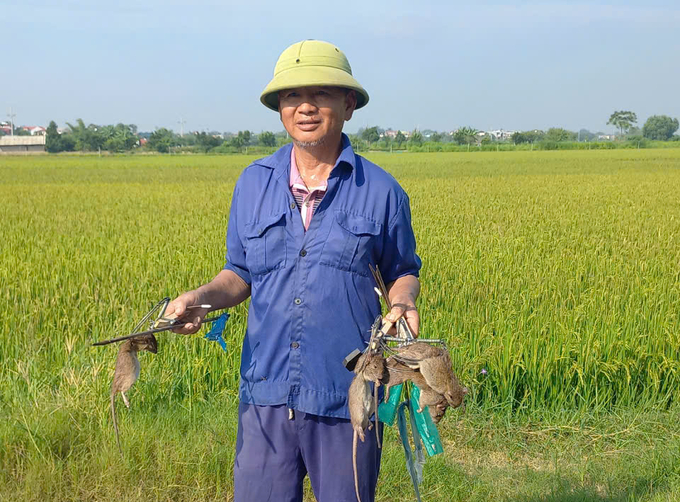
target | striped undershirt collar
[{"x": 307, "y": 199}]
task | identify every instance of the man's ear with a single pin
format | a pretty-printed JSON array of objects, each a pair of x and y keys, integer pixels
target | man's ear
[{"x": 350, "y": 104}]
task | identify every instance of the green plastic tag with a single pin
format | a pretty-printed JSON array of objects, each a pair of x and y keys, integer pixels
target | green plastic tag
[
  {"x": 387, "y": 410},
  {"x": 426, "y": 427}
]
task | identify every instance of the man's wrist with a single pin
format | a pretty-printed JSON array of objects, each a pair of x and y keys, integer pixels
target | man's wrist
[
  {"x": 196, "y": 296},
  {"x": 404, "y": 299}
]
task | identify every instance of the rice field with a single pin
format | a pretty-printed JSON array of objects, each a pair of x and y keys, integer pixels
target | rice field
[{"x": 554, "y": 277}]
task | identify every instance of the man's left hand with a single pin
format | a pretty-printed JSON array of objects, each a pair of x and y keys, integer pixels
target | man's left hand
[
  {"x": 403, "y": 294},
  {"x": 409, "y": 312}
]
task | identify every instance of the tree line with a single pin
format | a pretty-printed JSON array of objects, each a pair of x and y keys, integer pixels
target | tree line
[
  {"x": 125, "y": 137},
  {"x": 657, "y": 127}
]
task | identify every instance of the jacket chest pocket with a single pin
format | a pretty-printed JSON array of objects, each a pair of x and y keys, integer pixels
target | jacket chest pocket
[
  {"x": 350, "y": 243},
  {"x": 265, "y": 243}
]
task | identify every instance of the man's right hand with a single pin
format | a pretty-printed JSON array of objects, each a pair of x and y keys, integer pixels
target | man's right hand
[
  {"x": 177, "y": 309},
  {"x": 225, "y": 291}
]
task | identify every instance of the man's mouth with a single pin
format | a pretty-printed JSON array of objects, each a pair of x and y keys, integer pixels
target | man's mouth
[{"x": 308, "y": 125}]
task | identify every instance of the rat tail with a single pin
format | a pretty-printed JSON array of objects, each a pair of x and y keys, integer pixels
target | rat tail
[
  {"x": 377, "y": 423},
  {"x": 115, "y": 422},
  {"x": 354, "y": 463}
]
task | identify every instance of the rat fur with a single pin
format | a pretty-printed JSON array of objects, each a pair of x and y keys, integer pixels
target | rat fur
[
  {"x": 400, "y": 373},
  {"x": 417, "y": 351},
  {"x": 438, "y": 374},
  {"x": 127, "y": 372},
  {"x": 435, "y": 366},
  {"x": 369, "y": 368},
  {"x": 438, "y": 411}
]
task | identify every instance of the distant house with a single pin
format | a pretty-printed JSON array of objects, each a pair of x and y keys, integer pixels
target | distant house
[
  {"x": 501, "y": 134},
  {"x": 22, "y": 144},
  {"x": 35, "y": 130},
  {"x": 391, "y": 133},
  {"x": 606, "y": 137}
]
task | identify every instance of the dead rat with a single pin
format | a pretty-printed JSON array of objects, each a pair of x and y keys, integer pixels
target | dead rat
[
  {"x": 428, "y": 397},
  {"x": 397, "y": 372},
  {"x": 400, "y": 373},
  {"x": 439, "y": 375},
  {"x": 406, "y": 361},
  {"x": 418, "y": 351},
  {"x": 127, "y": 371},
  {"x": 438, "y": 410},
  {"x": 369, "y": 368},
  {"x": 435, "y": 366}
]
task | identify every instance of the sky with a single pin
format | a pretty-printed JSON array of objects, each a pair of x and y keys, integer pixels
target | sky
[{"x": 425, "y": 64}]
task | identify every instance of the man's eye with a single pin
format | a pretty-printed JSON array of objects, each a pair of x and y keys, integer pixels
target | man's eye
[{"x": 322, "y": 93}]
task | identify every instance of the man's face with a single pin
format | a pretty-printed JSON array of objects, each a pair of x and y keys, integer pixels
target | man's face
[{"x": 313, "y": 114}]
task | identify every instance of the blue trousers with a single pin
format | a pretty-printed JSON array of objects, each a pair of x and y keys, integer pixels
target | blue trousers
[{"x": 273, "y": 455}]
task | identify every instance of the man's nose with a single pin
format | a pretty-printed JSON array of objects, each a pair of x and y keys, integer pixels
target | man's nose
[{"x": 307, "y": 105}]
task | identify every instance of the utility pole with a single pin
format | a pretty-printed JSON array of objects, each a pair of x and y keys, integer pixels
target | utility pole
[
  {"x": 181, "y": 123},
  {"x": 11, "y": 117}
]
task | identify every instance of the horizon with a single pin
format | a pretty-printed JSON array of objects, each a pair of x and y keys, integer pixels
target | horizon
[
  {"x": 282, "y": 131},
  {"x": 531, "y": 66}
]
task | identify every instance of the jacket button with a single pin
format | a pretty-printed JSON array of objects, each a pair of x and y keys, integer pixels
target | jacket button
[
  {"x": 303, "y": 253},
  {"x": 293, "y": 205},
  {"x": 298, "y": 301},
  {"x": 295, "y": 345}
]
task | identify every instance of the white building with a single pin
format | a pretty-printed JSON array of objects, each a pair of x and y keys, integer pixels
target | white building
[
  {"x": 391, "y": 133},
  {"x": 35, "y": 130},
  {"x": 501, "y": 134}
]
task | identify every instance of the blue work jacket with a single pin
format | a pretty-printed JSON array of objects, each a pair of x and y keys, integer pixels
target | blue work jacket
[{"x": 312, "y": 296}]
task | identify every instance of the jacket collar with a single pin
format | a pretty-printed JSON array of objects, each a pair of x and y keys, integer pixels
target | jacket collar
[{"x": 280, "y": 160}]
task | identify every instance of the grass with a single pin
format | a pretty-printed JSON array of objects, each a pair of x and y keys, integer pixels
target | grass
[
  {"x": 556, "y": 272},
  {"x": 70, "y": 455}
]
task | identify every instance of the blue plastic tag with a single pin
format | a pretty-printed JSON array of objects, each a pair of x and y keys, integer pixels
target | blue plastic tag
[
  {"x": 215, "y": 333},
  {"x": 411, "y": 462},
  {"x": 387, "y": 410},
  {"x": 427, "y": 430}
]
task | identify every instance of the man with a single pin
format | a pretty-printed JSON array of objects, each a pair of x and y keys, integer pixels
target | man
[{"x": 304, "y": 225}]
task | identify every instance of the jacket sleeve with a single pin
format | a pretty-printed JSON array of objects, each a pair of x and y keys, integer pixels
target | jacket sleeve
[
  {"x": 399, "y": 256},
  {"x": 236, "y": 253}
]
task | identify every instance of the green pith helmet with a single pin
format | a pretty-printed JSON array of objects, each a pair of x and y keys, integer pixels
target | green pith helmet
[{"x": 308, "y": 63}]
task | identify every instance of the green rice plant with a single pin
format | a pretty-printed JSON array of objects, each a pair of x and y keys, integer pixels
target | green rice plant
[
  {"x": 557, "y": 273},
  {"x": 553, "y": 276}
]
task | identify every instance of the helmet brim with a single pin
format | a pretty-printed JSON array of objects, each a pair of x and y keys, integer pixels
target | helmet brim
[{"x": 308, "y": 76}]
